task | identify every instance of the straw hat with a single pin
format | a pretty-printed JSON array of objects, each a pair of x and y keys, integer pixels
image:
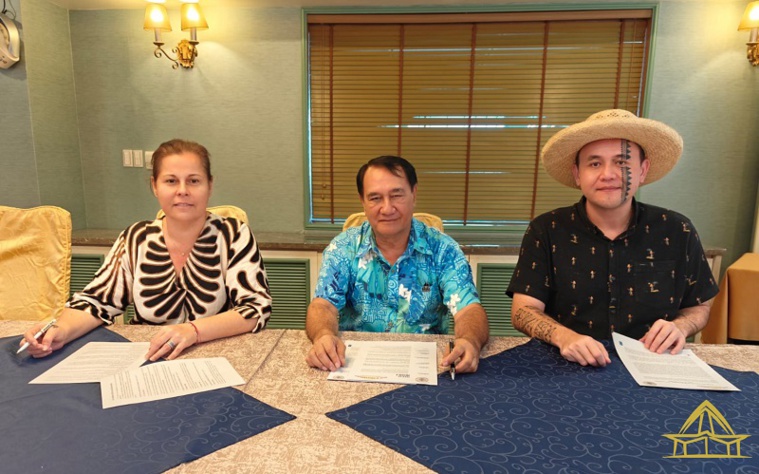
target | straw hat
[{"x": 662, "y": 144}]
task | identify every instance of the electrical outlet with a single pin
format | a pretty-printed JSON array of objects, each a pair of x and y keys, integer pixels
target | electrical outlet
[
  {"x": 149, "y": 160},
  {"x": 137, "y": 158},
  {"x": 126, "y": 158}
]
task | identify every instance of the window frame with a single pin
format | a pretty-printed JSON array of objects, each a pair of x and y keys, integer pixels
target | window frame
[{"x": 509, "y": 234}]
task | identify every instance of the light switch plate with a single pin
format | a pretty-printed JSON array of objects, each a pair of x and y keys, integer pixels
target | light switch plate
[
  {"x": 137, "y": 158},
  {"x": 149, "y": 160},
  {"x": 126, "y": 158}
]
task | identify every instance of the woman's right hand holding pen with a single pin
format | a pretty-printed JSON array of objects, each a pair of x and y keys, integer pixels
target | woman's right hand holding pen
[
  {"x": 70, "y": 325},
  {"x": 52, "y": 340}
]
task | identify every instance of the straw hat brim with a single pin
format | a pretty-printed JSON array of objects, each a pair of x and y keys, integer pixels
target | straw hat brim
[{"x": 661, "y": 143}]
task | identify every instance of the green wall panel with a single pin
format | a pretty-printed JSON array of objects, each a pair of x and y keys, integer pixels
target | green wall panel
[
  {"x": 289, "y": 286},
  {"x": 492, "y": 281}
]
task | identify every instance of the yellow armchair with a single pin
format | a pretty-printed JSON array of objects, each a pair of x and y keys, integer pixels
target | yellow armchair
[
  {"x": 35, "y": 261},
  {"x": 430, "y": 219}
]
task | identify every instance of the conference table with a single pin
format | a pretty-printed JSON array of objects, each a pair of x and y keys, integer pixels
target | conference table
[{"x": 272, "y": 363}]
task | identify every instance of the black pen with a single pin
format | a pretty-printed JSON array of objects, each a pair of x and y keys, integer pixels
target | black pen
[{"x": 452, "y": 368}]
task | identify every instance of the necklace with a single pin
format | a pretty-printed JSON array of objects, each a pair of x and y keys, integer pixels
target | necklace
[
  {"x": 173, "y": 245},
  {"x": 177, "y": 250}
]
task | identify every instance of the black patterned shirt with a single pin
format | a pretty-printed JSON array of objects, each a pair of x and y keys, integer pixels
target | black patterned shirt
[
  {"x": 594, "y": 285},
  {"x": 224, "y": 271}
]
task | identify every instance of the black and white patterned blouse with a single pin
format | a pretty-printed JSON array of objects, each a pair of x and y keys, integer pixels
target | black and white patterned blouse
[{"x": 224, "y": 271}]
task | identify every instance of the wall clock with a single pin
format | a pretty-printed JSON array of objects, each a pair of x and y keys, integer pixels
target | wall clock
[{"x": 10, "y": 43}]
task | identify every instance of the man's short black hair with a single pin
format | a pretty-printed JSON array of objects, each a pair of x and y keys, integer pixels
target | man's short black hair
[{"x": 394, "y": 164}]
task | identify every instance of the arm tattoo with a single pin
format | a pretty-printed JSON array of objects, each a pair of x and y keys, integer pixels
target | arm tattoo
[{"x": 535, "y": 323}]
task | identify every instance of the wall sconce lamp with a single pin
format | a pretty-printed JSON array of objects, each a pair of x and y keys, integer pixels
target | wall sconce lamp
[
  {"x": 750, "y": 21},
  {"x": 157, "y": 19}
]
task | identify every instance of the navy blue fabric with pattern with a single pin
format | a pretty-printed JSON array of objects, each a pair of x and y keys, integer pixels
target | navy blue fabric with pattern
[
  {"x": 527, "y": 410},
  {"x": 63, "y": 428}
]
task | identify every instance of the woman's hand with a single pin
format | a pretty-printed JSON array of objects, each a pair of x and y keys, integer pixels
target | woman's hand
[
  {"x": 171, "y": 341},
  {"x": 71, "y": 324},
  {"x": 52, "y": 340}
]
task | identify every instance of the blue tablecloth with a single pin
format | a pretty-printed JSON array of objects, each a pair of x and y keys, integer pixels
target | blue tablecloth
[
  {"x": 63, "y": 428},
  {"x": 527, "y": 410}
]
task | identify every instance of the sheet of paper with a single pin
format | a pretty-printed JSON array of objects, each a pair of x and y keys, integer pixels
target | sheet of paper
[
  {"x": 684, "y": 370},
  {"x": 94, "y": 361},
  {"x": 166, "y": 380},
  {"x": 405, "y": 362}
]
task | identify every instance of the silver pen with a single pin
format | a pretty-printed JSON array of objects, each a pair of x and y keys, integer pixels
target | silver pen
[{"x": 38, "y": 335}]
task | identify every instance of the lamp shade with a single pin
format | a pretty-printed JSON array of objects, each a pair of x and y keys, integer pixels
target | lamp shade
[
  {"x": 156, "y": 18},
  {"x": 192, "y": 17},
  {"x": 750, "y": 17}
]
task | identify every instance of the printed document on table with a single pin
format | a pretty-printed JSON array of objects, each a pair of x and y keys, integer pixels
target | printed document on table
[
  {"x": 94, "y": 361},
  {"x": 404, "y": 362},
  {"x": 167, "y": 379},
  {"x": 684, "y": 370}
]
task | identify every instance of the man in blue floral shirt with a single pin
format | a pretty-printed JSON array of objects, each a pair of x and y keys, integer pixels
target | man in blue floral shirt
[{"x": 394, "y": 274}]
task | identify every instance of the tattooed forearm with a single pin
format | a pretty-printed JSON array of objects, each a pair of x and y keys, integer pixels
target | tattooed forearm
[{"x": 535, "y": 323}]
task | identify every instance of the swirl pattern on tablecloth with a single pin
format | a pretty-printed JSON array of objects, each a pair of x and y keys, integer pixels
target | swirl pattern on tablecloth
[
  {"x": 63, "y": 428},
  {"x": 527, "y": 410}
]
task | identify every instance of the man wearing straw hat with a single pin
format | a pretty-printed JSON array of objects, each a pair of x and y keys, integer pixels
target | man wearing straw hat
[{"x": 610, "y": 263}]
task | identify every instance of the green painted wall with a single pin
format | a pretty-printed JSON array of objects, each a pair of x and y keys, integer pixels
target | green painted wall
[
  {"x": 18, "y": 179},
  {"x": 705, "y": 88},
  {"x": 53, "y": 107},
  {"x": 38, "y": 123},
  {"x": 244, "y": 101}
]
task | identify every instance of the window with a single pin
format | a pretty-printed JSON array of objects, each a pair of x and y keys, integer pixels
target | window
[{"x": 469, "y": 99}]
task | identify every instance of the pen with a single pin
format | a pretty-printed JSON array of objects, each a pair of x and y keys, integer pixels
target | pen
[
  {"x": 37, "y": 336},
  {"x": 452, "y": 368}
]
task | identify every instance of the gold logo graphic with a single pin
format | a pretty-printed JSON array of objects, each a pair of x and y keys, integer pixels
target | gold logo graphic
[{"x": 707, "y": 434}]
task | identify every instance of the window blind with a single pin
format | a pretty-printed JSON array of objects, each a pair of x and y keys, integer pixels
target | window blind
[{"x": 469, "y": 103}]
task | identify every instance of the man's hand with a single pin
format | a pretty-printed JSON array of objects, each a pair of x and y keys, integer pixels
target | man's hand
[
  {"x": 528, "y": 316},
  {"x": 466, "y": 353},
  {"x": 472, "y": 332},
  {"x": 664, "y": 335},
  {"x": 581, "y": 349},
  {"x": 327, "y": 353}
]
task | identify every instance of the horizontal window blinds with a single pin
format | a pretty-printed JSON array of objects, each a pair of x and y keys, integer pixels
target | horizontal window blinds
[{"x": 470, "y": 104}]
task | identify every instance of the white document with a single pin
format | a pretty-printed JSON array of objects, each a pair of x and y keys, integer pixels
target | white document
[
  {"x": 404, "y": 362},
  {"x": 684, "y": 370},
  {"x": 166, "y": 380},
  {"x": 94, "y": 361}
]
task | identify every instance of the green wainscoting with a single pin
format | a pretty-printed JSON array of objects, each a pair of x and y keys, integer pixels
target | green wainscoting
[
  {"x": 492, "y": 281},
  {"x": 289, "y": 284}
]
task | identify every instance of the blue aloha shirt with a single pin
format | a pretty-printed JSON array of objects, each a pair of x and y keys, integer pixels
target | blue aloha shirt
[{"x": 415, "y": 295}]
